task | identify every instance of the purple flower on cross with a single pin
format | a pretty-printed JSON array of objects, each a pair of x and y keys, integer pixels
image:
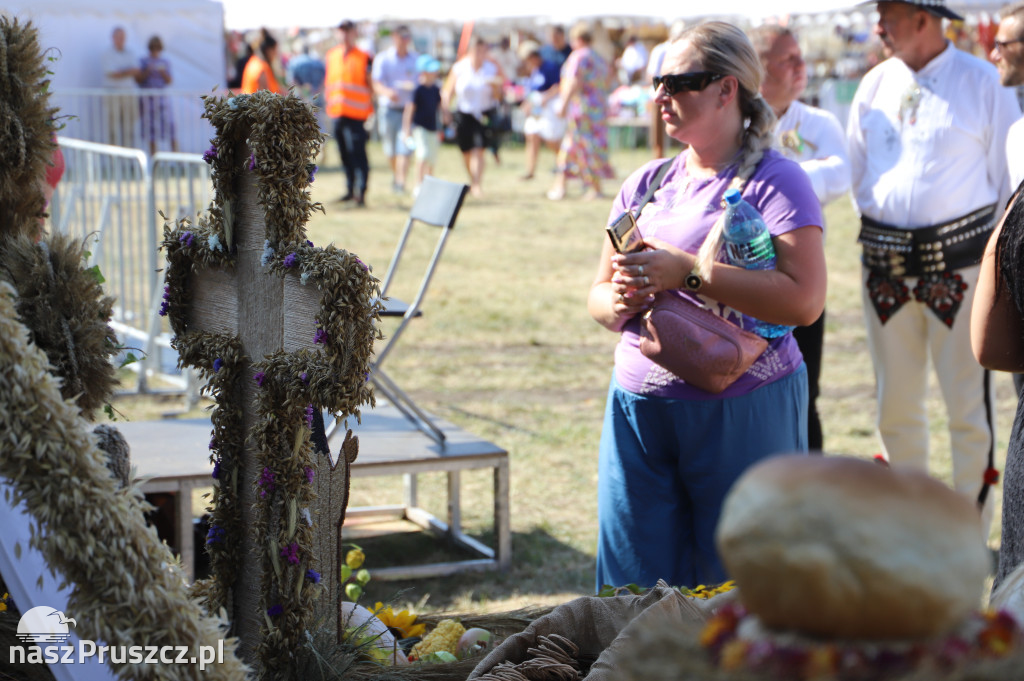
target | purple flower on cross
[
  {"x": 210, "y": 154},
  {"x": 166, "y": 305},
  {"x": 266, "y": 481},
  {"x": 309, "y": 474},
  {"x": 362, "y": 264},
  {"x": 252, "y": 161},
  {"x": 275, "y": 610},
  {"x": 289, "y": 260},
  {"x": 217, "y": 364},
  {"x": 259, "y": 377},
  {"x": 312, "y": 172},
  {"x": 186, "y": 239},
  {"x": 216, "y": 470},
  {"x": 291, "y": 553},
  {"x": 216, "y": 535},
  {"x": 309, "y": 243},
  {"x": 304, "y": 377},
  {"x": 213, "y": 441},
  {"x": 309, "y": 415},
  {"x": 313, "y": 576},
  {"x": 320, "y": 337}
]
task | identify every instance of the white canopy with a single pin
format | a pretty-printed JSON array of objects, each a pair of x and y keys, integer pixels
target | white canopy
[
  {"x": 79, "y": 31},
  {"x": 247, "y": 14}
]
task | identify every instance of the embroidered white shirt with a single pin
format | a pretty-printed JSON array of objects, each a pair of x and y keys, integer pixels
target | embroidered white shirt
[
  {"x": 929, "y": 146},
  {"x": 814, "y": 138}
]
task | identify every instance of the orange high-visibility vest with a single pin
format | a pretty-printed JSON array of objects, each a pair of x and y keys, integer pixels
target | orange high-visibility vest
[
  {"x": 347, "y": 84},
  {"x": 255, "y": 68}
]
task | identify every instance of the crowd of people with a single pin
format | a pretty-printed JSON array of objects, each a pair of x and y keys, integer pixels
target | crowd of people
[
  {"x": 670, "y": 451},
  {"x": 729, "y": 108}
]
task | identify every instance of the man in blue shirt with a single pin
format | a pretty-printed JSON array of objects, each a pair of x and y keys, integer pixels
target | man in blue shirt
[
  {"x": 394, "y": 78},
  {"x": 558, "y": 50}
]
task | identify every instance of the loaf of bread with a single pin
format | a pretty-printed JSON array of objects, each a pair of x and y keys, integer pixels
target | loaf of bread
[{"x": 845, "y": 548}]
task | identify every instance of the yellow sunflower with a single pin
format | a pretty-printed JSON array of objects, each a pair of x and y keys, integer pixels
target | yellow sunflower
[{"x": 403, "y": 621}]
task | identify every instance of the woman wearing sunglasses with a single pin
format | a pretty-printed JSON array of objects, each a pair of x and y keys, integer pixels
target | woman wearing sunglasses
[{"x": 670, "y": 451}]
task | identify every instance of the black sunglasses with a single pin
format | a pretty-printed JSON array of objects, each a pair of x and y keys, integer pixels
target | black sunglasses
[{"x": 685, "y": 82}]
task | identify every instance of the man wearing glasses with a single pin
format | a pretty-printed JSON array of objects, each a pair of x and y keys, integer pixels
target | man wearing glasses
[
  {"x": 813, "y": 138},
  {"x": 1008, "y": 56},
  {"x": 926, "y": 134}
]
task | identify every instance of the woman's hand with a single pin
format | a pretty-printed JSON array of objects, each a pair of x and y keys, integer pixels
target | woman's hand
[
  {"x": 660, "y": 267},
  {"x": 625, "y": 284}
]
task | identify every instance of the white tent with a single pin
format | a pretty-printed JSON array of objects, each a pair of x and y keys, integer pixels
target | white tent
[
  {"x": 79, "y": 33},
  {"x": 247, "y": 14}
]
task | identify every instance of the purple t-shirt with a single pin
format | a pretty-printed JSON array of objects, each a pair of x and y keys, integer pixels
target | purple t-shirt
[
  {"x": 150, "y": 67},
  {"x": 682, "y": 212}
]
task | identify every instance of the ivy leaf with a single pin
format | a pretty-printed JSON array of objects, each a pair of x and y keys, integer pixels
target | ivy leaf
[
  {"x": 96, "y": 274},
  {"x": 130, "y": 358}
]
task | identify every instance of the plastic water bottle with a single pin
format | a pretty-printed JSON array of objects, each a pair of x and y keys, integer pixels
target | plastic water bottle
[{"x": 748, "y": 244}]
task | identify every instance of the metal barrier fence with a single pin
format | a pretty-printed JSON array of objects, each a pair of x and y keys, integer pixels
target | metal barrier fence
[
  {"x": 169, "y": 119},
  {"x": 111, "y": 196}
]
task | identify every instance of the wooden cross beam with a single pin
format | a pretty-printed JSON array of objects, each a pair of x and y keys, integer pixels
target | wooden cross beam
[{"x": 268, "y": 313}]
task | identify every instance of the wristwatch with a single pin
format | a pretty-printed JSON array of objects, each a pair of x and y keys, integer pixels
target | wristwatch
[{"x": 693, "y": 280}]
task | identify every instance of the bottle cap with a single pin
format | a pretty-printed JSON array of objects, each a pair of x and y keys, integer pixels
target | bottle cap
[{"x": 732, "y": 196}]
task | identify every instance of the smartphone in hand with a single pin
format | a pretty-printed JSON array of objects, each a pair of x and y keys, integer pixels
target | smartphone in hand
[{"x": 625, "y": 234}]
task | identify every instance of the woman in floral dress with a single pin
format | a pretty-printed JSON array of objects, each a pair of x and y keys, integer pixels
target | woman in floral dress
[{"x": 586, "y": 83}]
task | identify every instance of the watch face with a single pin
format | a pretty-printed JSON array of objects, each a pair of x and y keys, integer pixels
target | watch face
[{"x": 693, "y": 282}]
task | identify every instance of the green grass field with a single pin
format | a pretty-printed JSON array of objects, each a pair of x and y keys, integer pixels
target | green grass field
[{"x": 506, "y": 350}]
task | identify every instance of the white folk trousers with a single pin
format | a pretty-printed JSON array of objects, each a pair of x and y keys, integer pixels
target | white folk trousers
[{"x": 900, "y": 350}]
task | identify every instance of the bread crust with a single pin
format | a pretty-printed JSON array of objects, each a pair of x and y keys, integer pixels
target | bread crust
[{"x": 844, "y": 548}]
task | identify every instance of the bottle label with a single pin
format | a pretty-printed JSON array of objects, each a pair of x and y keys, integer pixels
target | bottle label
[{"x": 757, "y": 251}]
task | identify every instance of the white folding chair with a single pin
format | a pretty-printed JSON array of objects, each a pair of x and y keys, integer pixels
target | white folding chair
[{"x": 437, "y": 204}]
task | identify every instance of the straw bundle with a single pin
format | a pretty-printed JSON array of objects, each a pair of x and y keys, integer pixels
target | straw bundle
[{"x": 127, "y": 589}]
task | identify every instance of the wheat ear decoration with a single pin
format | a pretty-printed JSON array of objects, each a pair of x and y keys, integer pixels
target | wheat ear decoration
[{"x": 756, "y": 138}]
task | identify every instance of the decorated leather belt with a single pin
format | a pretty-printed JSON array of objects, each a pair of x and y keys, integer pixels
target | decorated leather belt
[{"x": 900, "y": 252}]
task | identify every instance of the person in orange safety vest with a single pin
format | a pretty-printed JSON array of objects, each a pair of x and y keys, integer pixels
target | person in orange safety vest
[
  {"x": 259, "y": 70},
  {"x": 349, "y": 104}
]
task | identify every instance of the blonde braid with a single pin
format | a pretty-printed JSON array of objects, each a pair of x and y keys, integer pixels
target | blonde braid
[{"x": 756, "y": 139}]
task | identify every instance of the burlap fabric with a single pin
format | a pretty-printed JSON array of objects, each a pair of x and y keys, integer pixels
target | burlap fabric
[{"x": 597, "y": 627}]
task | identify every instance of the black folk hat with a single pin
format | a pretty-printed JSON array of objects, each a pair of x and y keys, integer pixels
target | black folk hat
[{"x": 936, "y": 7}]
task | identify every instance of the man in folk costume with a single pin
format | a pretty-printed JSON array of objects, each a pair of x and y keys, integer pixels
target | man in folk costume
[
  {"x": 926, "y": 139},
  {"x": 814, "y": 138},
  {"x": 349, "y": 104}
]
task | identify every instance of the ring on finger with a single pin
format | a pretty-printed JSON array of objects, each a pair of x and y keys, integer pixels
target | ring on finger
[
  {"x": 647, "y": 280},
  {"x": 641, "y": 271},
  {"x": 622, "y": 298}
]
